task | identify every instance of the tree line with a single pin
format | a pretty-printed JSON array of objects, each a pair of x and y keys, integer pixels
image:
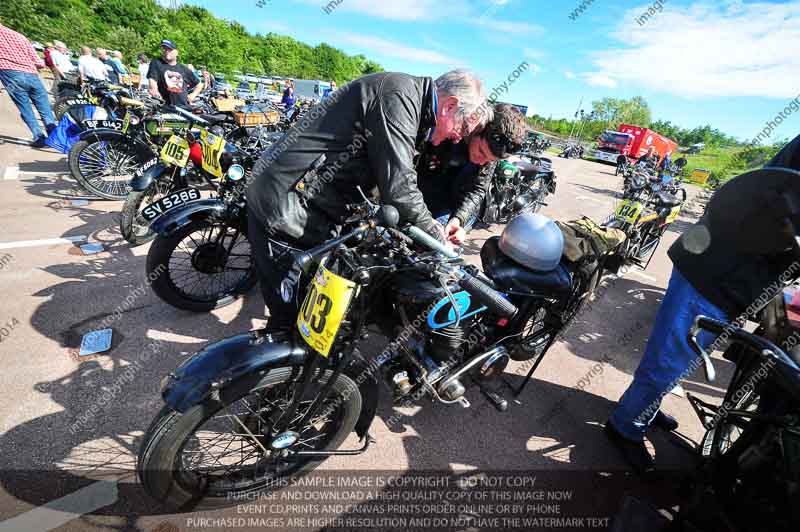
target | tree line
[{"x": 133, "y": 26}]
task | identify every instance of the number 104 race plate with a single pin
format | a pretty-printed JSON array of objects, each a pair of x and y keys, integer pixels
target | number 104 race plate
[{"x": 324, "y": 309}]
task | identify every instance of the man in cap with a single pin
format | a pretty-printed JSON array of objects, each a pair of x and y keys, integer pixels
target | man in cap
[{"x": 170, "y": 80}]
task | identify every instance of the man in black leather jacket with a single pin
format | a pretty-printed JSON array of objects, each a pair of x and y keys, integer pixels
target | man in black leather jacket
[
  {"x": 454, "y": 178},
  {"x": 365, "y": 135}
]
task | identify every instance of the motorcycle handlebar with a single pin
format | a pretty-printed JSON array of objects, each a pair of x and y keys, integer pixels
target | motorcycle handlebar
[
  {"x": 424, "y": 239},
  {"x": 764, "y": 347},
  {"x": 487, "y": 296},
  {"x": 482, "y": 292}
]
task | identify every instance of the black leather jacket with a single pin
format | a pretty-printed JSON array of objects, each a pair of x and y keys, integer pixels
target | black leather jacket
[
  {"x": 730, "y": 277},
  {"x": 451, "y": 183},
  {"x": 365, "y": 134}
]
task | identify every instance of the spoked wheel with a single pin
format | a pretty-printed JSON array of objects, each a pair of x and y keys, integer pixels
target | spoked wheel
[
  {"x": 105, "y": 167},
  {"x": 133, "y": 227},
  {"x": 221, "y": 449},
  {"x": 202, "y": 266},
  {"x": 648, "y": 245},
  {"x": 534, "y": 337},
  {"x": 719, "y": 439}
]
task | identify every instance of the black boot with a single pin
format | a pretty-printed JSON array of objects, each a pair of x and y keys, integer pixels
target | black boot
[
  {"x": 634, "y": 452},
  {"x": 665, "y": 422}
]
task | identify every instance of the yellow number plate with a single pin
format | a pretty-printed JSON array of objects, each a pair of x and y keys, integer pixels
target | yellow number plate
[
  {"x": 126, "y": 122},
  {"x": 673, "y": 214},
  {"x": 213, "y": 146},
  {"x": 629, "y": 211},
  {"x": 175, "y": 151},
  {"x": 324, "y": 310}
]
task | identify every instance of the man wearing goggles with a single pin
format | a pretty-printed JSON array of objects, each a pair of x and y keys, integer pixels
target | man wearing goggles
[{"x": 454, "y": 177}]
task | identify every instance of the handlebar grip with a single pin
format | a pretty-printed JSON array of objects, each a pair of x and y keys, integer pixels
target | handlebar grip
[
  {"x": 485, "y": 295},
  {"x": 421, "y": 237}
]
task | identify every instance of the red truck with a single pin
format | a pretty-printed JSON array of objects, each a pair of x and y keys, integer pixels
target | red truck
[{"x": 632, "y": 142}]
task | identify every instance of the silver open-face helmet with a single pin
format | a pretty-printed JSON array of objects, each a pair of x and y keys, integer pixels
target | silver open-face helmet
[{"x": 534, "y": 241}]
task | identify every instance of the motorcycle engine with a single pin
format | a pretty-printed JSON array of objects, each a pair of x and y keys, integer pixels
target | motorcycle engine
[{"x": 443, "y": 328}]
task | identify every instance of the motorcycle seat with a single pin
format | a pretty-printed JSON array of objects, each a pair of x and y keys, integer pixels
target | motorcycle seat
[
  {"x": 511, "y": 276},
  {"x": 527, "y": 169},
  {"x": 667, "y": 200},
  {"x": 215, "y": 118}
]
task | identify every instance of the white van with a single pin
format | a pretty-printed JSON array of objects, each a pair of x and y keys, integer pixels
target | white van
[{"x": 310, "y": 88}]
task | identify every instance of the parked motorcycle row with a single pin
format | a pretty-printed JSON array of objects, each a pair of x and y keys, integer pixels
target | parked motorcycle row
[
  {"x": 651, "y": 201},
  {"x": 182, "y": 176}
]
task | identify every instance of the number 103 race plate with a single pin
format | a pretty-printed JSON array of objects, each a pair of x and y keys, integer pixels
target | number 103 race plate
[{"x": 324, "y": 309}]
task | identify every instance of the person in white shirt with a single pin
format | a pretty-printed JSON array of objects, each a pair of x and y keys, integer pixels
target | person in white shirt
[
  {"x": 144, "y": 66},
  {"x": 90, "y": 67},
  {"x": 60, "y": 57}
]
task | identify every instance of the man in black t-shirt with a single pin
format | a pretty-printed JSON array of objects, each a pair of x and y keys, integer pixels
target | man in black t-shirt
[{"x": 171, "y": 80}]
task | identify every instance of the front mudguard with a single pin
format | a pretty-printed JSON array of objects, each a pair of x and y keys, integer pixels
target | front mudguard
[
  {"x": 237, "y": 357},
  {"x": 143, "y": 150},
  {"x": 203, "y": 209},
  {"x": 141, "y": 181}
]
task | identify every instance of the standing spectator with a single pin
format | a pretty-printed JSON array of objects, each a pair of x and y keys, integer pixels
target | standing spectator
[
  {"x": 330, "y": 91},
  {"x": 288, "y": 95},
  {"x": 112, "y": 73},
  {"x": 208, "y": 79},
  {"x": 60, "y": 56},
  {"x": 90, "y": 67},
  {"x": 119, "y": 66},
  {"x": 19, "y": 64},
  {"x": 170, "y": 79},
  {"x": 144, "y": 66},
  {"x": 48, "y": 59}
]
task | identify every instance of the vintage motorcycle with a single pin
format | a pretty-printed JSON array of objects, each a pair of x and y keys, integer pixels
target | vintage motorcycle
[
  {"x": 201, "y": 258},
  {"x": 198, "y": 154},
  {"x": 644, "y": 215},
  {"x": 288, "y": 400},
  {"x": 518, "y": 187},
  {"x": 573, "y": 150}
]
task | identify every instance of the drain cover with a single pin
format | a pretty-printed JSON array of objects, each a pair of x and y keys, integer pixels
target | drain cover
[
  {"x": 95, "y": 342},
  {"x": 91, "y": 249}
]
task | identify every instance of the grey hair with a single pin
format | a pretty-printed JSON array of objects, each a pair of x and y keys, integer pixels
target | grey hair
[{"x": 468, "y": 88}]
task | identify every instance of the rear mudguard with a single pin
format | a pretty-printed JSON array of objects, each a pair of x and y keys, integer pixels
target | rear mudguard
[
  {"x": 142, "y": 180},
  {"x": 238, "y": 357},
  {"x": 203, "y": 209},
  {"x": 143, "y": 150}
]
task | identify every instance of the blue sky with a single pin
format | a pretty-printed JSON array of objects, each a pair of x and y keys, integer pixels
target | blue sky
[{"x": 732, "y": 64}]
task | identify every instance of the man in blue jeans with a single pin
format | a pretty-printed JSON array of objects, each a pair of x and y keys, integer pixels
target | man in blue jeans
[
  {"x": 715, "y": 275},
  {"x": 19, "y": 65}
]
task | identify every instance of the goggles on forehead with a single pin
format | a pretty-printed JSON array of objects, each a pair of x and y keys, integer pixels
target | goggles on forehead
[{"x": 501, "y": 145}]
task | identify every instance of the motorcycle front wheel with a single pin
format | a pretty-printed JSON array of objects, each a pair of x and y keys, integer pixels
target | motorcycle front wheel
[
  {"x": 205, "y": 458},
  {"x": 105, "y": 167},
  {"x": 202, "y": 266},
  {"x": 133, "y": 227}
]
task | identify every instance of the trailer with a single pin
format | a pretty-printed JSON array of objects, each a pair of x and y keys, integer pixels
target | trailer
[{"x": 633, "y": 142}]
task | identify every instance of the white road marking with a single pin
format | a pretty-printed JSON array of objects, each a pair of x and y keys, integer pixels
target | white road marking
[
  {"x": 596, "y": 200},
  {"x": 45, "y": 242},
  {"x": 61, "y": 511},
  {"x": 643, "y": 275},
  {"x": 40, "y": 172},
  {"x": 12, "y": 172}
]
